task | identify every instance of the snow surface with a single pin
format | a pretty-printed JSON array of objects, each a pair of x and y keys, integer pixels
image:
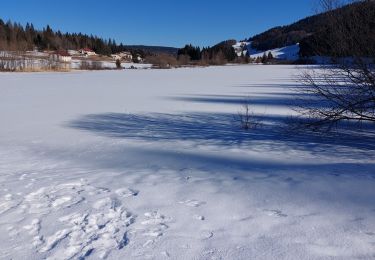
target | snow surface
[
  {"x": 241, "y": 48},
  {"x": 151, "y": 164},
  {"x": 290, "y": 53}
]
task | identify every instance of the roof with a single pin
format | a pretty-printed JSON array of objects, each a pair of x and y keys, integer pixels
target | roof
[
  {"x": 62, "y": 53},
  {"x": 87, "y": 49}
]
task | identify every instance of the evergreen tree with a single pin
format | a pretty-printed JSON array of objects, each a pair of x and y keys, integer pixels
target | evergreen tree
[
  {"x": 193, "y": 52},
  {"x": 15, "y": 37},
  {"x": 264, "y": 58},
  {"x": 270, "y": 56}
]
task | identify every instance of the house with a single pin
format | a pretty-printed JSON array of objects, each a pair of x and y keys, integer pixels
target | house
[
  {"x": 87, "y": 52},
  {"x": 62, "y": 56},
  {"x": 126, "y": 55},
  {"x": 116, "y": 57},
  {"x": 73, "y": 52}
]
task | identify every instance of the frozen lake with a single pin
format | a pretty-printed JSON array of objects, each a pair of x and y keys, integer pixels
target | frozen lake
[{"x": 152, "y": 164}]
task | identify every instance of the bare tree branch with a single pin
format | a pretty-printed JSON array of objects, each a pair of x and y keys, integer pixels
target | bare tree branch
[{"x": 345, "y": 89}]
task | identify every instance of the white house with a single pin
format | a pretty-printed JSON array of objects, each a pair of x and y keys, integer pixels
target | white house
[
  {"x": 87, "y": 52},
  {"x": 73, "y": 52},
  {"x": 126, "y": 55},
  {"x": 116, "y": 57},
  {"x": 62, "y": 56}
]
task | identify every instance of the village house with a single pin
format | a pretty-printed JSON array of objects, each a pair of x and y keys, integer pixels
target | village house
[
  {"x": 62, "y": 56},
  {"x": 73, "y": 52},
  {"x": 124, "y": 55},
  {"x": 87, "y": 52},
  {"x": 116, "y": 57}
]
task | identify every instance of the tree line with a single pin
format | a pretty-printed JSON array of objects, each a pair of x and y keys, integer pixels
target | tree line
[
  {"x": 218, "y": 54},
  {"x": 15, "y": 37}
]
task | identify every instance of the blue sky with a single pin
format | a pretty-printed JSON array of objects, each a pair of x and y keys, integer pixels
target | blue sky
[{"x": 159, "y": 22}]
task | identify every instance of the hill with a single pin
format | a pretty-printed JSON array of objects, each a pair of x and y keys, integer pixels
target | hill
[{"x": 313, "y": 32}]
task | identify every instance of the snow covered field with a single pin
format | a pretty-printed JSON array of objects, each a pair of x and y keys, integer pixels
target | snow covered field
[
  {"x": 151, "y": 164},
  {"x": 289, "y": 53}
]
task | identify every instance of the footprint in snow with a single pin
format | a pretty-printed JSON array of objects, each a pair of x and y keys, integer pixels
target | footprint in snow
[
  {"x": 22, "y": 177},
  {"x": 8, "y": 203},
  {"x": 192, "y": 203},
  {"x": 106, "y": 203},
  {"x": 97, "y": 190},
  {"x": 53, "y": 198},
  {"x": 126, "y": 192},
  {"x": 94, "y": 233},
  {"x": 275, "y": 213},
  {"x": 246, "y": 218},
  {"x": 198, "y": 217},
  {"x": 165, "y": 254},
  {"x": 206, "y": 234},
  {"x": 33, "y": 228},
  {"x": 155, "y": 225}
]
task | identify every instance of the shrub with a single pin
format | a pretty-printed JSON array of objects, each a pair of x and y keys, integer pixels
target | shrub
[{"x": 247, "y": 117}]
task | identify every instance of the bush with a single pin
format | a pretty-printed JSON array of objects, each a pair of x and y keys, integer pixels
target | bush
[
  {"x": 162, "y": 60},
  {"x": 247, "y": 117}
]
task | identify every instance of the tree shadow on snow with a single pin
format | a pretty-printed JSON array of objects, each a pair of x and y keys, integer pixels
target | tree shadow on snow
[
  {"x": 221, "y": 130},
  {"x": 260, "y": 99}
]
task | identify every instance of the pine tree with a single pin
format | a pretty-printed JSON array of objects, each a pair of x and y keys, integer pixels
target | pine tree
[
  {"x": 270, "y": 56},
  {"x": 13, "y": 36},
  {"x": 264, "y": 58}
]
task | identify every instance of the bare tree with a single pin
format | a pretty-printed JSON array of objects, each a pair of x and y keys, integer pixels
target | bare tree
[
  {"x": 162, "y": 60},
  {"x": 183, "y": 59},
  {"x": 329, "y": 5},
  {"x": 343, "y": 90},
  {"x": 247, "y": 117}
]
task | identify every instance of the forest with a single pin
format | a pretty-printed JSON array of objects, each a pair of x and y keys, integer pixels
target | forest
[{"x": 15, "y": 37}]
